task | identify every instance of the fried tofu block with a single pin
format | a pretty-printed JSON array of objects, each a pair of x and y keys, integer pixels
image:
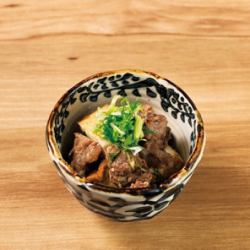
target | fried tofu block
[{"x": 89, "y": 123}]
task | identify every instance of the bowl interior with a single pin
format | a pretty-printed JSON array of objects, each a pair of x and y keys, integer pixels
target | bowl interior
[{"x": 165, "y": 97}]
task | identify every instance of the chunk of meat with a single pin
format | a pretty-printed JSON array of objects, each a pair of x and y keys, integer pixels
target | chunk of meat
[
  {"x": 85, "y": 151},
  {"x": 151, "y": 160},
  {"x": 159, "y": 132},
  {"x": 120, "y": 171},
  {"x": 143, "y": 181},
  {"x": 172, "y": 162},
  {"x": 125, "y": 170},
  {"x": 166, "y": 161}
]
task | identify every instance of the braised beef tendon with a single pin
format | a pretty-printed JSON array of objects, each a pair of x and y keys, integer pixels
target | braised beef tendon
[{"x": 126, "y": 146}]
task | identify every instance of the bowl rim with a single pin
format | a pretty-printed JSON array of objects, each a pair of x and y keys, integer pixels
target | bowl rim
[{"x": 193, "y": 158}]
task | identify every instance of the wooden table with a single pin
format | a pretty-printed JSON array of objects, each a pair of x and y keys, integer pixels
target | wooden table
[{"x": 47, "y": 46}]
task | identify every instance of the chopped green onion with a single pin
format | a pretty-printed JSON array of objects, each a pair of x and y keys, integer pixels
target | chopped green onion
[
  {"x": 138, "y": 132},
  {"x": 136, "y": 149},
  {"x": 121, "y": 124},
  {"x": 117, "y": 129},
  {"x": 115, "y": 99},
  {"x": 131, "y": 160},
  {"x": 118, "y": 113}
]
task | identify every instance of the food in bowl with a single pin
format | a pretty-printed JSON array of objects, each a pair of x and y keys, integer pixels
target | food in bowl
[
  {"x": 73, "y": 113},
  {"x": 125, "y": 144}
]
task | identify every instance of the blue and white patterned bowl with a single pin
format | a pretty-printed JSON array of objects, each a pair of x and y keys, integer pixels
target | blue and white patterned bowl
[{"x": 166, "y": 98}]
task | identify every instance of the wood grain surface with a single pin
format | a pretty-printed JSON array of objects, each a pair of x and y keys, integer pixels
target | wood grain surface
[{"x": 47, "y": 46}]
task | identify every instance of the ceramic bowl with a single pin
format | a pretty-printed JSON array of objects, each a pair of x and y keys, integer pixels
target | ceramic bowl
[{"x": 166, "y": 98}]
